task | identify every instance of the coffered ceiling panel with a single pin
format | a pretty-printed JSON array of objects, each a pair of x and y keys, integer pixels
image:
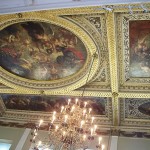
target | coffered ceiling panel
[
  {"x": 135, "y": 112},
  {"x": 32, "y": 108},
  {"x": 133, "y": 51},
  {"x": 88, "y": 35},
  {"x": 47, "y": 52}
]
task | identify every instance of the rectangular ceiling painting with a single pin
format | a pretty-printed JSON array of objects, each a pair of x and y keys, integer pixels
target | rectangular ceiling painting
[
  {"x": 49, "y": 104},
  {"x": 139, "y": 32}
]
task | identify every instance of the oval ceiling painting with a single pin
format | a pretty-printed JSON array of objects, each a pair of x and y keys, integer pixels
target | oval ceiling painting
[{"x": 40, "y": 51}]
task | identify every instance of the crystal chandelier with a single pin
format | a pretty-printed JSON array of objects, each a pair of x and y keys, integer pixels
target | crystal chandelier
[{"x": 69, "y": 129}]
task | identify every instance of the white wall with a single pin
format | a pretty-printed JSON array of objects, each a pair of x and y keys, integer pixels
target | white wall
[
  {"x": 90, "y": 143},
  {"x": 125, "y": 143},
  {"x": 17, "y": 136},
  {"x": 12, "y": 134}
]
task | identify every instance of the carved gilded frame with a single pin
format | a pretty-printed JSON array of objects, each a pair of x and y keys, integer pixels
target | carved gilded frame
[
  {"x": 66, "y": 84},
  {"x": 122, "y": 21}
]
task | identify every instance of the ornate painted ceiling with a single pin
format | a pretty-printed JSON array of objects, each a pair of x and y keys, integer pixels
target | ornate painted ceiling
[{"x": 95, "y": 54}]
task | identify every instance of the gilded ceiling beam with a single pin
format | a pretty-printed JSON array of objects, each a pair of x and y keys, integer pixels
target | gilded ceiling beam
[
  {"x": 112, "y": 51},
  {"x": 110, "y": 21},
  {"x": 72, "y": 93},
  {"x": 134, "y": 95}
]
